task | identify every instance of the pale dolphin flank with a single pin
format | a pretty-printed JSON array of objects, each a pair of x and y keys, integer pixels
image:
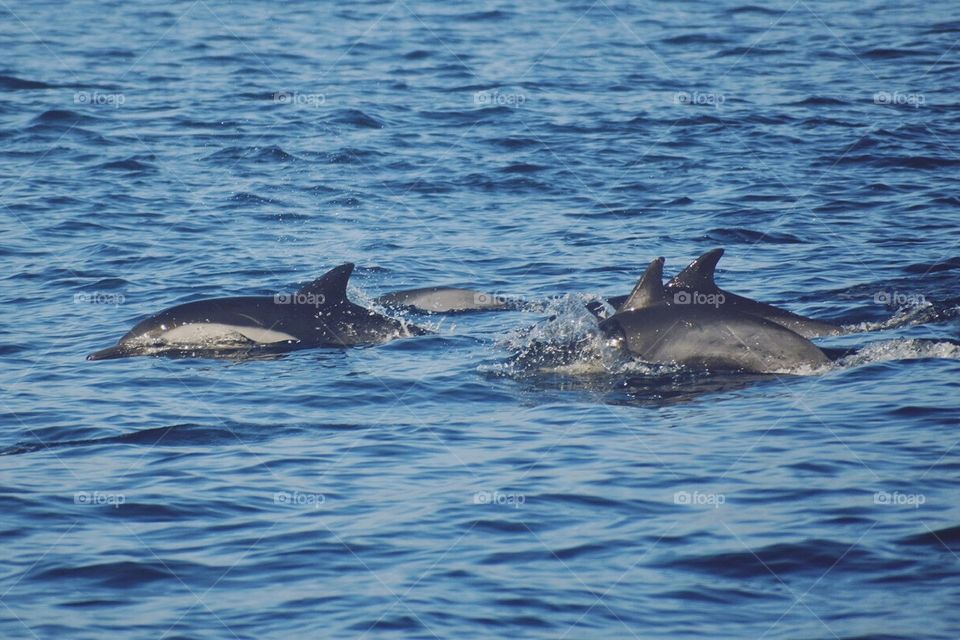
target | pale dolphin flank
[
  {"x": 443, "y": 300},
  {"x": 695, "y": 285},
  {"x": 650, "y": 326},
  {"x": 319, "y": 314}
]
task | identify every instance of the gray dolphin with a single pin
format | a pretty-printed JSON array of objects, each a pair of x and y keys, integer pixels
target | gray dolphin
[
  {"x": 652, "y": 326},
  {"x": 317, "y": 315},
  {"x": 697, "y": 282},
  {"x": 443, "y": 300},
  {"x": 695, "y": 285}
]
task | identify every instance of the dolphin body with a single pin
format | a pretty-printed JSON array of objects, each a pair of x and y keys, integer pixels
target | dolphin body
[
  {"x": 443, "y": 300},
  {"x": 650, "y": 325},
  {"x": 695, "y": 286},
  {"x": 317, "y": 315}
]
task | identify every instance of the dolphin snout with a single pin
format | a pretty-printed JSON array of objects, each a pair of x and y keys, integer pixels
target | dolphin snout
[{"x": 108, "y": 354}]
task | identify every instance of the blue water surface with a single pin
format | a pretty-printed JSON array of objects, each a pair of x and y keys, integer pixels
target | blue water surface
[{"x": 156, "y": 153}]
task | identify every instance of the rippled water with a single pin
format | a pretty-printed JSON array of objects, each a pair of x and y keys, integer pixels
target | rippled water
[{"x": 434, "y": 487}]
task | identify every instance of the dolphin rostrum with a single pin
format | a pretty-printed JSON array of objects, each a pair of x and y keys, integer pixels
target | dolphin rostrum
[
  {"x": 319, "y": 314},
  {"x": 651, "y": 326},
  {"x": 695, "y": 286}
]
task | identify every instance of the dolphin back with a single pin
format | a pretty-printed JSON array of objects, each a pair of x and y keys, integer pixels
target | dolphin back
[{"x": 712, "y": 339}]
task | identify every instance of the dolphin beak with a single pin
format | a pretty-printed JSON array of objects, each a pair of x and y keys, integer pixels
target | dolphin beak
[{"x": 109, "y": 353}]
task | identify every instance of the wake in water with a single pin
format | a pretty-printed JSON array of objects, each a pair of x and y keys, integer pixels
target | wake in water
[{"x": 909, "y": 315}]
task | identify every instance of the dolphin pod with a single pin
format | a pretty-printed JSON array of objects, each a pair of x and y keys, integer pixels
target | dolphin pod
[{"x": 690, "y": 321}]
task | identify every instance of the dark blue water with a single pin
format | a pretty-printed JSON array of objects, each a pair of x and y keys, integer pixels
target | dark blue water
[{"x": 434, "y": 487}]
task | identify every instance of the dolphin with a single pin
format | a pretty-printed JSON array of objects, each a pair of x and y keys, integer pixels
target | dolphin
[
  {"x": 650, "y": 325},
  {"x": 319, "y": 314},
  {"x": 443, "y": 300},
  {"x": 695, "y": 285}
]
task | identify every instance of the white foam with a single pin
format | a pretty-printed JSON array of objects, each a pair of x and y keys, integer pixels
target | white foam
[{"x": 900, "y": 349}]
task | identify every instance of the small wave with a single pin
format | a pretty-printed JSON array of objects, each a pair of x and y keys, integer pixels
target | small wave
[
  {"x": 750, "y": 236},
  {"x": 118, "y": 575},
  {"x": 932, "y": 267},
  {"x": 944, "y": 27},
  {"x": 12, "y": 83},
  {"x": 892, "y": 162},
  {"x": 272, "y": 153},
  {"x": 516, "y": 143},
  {"x": 351, "y": 155},
  {"x": 355, "y": 118},
  {"x": 417, "y": 54},
  {"x": 247, "y": 198},
  {"x": 469, "y": 117},
  {"x": 701, "y": 120},
  {"x": 696, "y": 38},
  {"x": 808, "y": 557},
  {"x": 178, "y": 435},
  {"x": 62, "y": 116},
  {"x": 819, "y": 101},
  {"x": 750, "y": 51},
  {"x": 495, "y": 14},
  {"x": 753, "y": 9},
  {"x": 348, "y": 202},
  {"x": 820, "y": 121},
  {"x": 522, "y": 167},
  {"x": 889, "y": 54},
  {"x": 129, "y": 164},
  {"x": 947, "y": 539}
]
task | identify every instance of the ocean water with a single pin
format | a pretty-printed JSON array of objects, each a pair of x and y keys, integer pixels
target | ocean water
[{"x": 442, "y": 486}]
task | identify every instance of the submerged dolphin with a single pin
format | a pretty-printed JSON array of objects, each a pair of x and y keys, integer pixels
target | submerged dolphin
[
  {"x": 650, "y": 325},
  {"x": 443, "y": 300},
  {"x": 695, "y": 286},
  {"x": 319, "y": 314}
]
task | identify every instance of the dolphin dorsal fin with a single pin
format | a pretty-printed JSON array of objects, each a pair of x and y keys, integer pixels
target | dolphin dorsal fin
[
  {"x": 699, "y": 274},
  {"x": 649, "y": 290},
  {"x": 332, "y": 285}
]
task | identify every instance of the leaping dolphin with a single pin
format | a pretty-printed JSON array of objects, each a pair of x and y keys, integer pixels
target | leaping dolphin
[
  {"x": 650, "y": 325},
  {"x": 319, "y": 314},
  {"x": 695, "y": 286}
]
